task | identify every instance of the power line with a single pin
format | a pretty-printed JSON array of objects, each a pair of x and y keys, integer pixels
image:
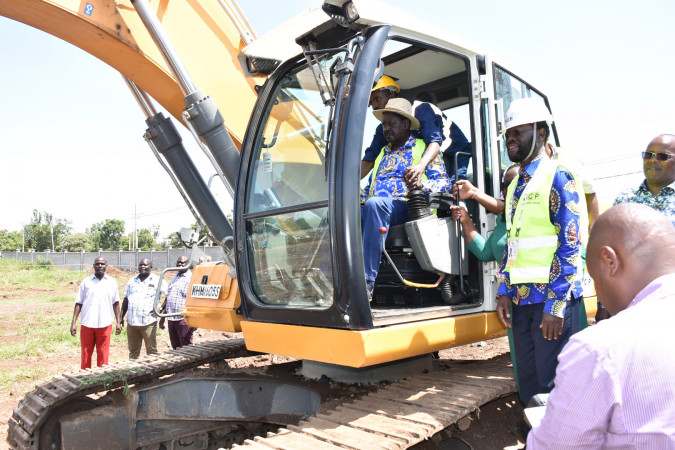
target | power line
[
  {"x": 603, "y": 161},
  {"x": 619, "y": 175}
]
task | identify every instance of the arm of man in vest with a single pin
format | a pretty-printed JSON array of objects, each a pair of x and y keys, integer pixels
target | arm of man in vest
[
  {"x": 431, "y": 131},
  {"x": 565, "y": 216},
  {"x": 372, "y": 151}
]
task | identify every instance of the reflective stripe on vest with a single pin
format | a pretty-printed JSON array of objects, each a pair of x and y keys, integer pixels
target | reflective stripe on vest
[{"x": 417, "y": 152}]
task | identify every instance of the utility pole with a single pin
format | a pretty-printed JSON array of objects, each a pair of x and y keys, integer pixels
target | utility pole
[
  {"x": 23, "y": 237},
  {"x": 135, "y": 229},
  {"x": 51, "y": 228}
]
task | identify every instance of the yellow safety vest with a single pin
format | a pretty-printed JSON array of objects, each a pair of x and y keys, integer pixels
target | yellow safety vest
[
  {"x": 417, "y": 152},
  {"x": 531, "y": 225}
]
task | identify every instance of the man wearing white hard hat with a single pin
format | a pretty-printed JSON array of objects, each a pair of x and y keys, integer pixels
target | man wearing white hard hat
[
  {"x": 541, "y": 291},
  {"x": 440, "y": 134},
  {"x": 384, "y": 199}
]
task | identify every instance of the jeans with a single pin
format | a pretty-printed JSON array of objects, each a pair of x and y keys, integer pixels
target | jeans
[{"x": 375, "y": 213}]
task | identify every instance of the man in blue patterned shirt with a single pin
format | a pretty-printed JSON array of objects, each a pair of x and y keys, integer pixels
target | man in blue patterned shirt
[
  {"x": 384, "y": 198},
  {"x": 658, "y": 189},
  {"x": 541, "y": 291}
]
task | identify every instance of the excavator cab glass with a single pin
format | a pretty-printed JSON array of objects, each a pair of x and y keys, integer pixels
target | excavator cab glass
[{"x": 286, "y": 204}]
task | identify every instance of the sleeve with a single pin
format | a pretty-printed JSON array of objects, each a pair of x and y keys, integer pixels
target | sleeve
[
  {"x": 580, "y": 407},
  {"x": 79, "y": 297},
  {"x": 565, "y": 215},
  {"x": 480, "y": 247},
  {"x": 437, "y": 179},
  {"x": 164, "y": 288},
  {"x": 376, "y": 145},
  {"x": 505, "y": 287},
  {"x": 587, "y": 179},
  {"x": 431, "y": 124},
  {"x": 127, "y": 289},
  {"x": 116, "y": 295}
]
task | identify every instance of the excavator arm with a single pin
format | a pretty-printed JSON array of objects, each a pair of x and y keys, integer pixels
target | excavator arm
[{"x": 206, "y": 33}]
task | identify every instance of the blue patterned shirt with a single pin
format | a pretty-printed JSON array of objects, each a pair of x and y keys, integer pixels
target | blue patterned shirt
[
  {"x": 389, "y": 182},
  {"x": 564, "y": 215},
  {"x": 664, "y": 201},
  {"x": 177, "y": 293}
]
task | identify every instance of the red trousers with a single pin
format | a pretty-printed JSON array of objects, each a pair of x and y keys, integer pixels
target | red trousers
[{"x": 95, "y": 337}]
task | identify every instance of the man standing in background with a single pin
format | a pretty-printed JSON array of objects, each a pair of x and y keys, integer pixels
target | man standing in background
[
  {"x": 179, "y": 331},
  {"x": 139, "y": 297},
  {"x": 98, "y": 300}
]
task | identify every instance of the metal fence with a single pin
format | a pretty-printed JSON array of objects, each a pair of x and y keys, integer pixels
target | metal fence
[{"x": 125, "y": 260}]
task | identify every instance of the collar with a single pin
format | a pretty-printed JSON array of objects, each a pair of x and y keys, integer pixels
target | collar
[
  {"x": 643, "y": 186},
  {"x": 105, "y": 276},
  {"x": 660, "y": 287},
  {"x": 532, "y": 166},
  {"x": 407, "y": 146}
]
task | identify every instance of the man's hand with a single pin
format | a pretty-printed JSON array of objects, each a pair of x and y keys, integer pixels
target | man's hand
[
  {"x": 161, "y": 323},
  {"x": 413, "y": 174},
  {"x": 118, "y": 328},
  {"x": 551, "y": 326},
  {"x": 602, "y": 314},
  {"x": 504, "y": 310},
  {"x": 73, "y": 329},
  {"x": 464, "y": 189}
]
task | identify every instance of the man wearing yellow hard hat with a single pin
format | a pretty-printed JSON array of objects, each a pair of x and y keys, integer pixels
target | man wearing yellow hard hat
[{"x": 438, "y": 133}]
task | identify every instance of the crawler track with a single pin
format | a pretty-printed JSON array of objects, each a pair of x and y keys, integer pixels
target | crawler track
[
  {"x": 38, "y": 404},
  {"x": 400, "y": 415},
  {"x": 394, "y": 417}
]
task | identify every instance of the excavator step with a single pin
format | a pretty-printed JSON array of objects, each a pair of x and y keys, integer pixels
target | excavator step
[{"x": 401, "y": 414}]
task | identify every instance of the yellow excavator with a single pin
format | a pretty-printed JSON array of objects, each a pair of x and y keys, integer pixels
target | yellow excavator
[{"x": 284, "y": 119}]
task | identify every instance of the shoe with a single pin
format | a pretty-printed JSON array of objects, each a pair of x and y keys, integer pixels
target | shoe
[{"x": 370, "y": 286}]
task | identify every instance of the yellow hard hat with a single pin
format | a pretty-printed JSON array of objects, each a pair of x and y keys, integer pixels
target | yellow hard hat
[{"x": 386, "y": 82}]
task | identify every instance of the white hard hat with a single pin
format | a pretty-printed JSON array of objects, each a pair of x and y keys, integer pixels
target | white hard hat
[{"x": 526, "y": 111}]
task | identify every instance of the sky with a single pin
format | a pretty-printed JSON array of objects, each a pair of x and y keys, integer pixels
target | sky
[{"x": 71, "y": 133}]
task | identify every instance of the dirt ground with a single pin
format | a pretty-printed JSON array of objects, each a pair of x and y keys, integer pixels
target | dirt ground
[{"x": 499, "y": 424}]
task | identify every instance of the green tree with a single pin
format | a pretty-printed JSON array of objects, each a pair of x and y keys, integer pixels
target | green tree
[
  {"x": 78, "y": 242},
  {"x": 10, "y": 240},
  {"x": 44, "y": 229},
  {"x": 147, "y": 238},
  {"x": 108, "y": 235}
]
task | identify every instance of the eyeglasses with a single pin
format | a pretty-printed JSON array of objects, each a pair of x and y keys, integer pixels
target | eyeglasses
[{"x": 657, "y": 156}]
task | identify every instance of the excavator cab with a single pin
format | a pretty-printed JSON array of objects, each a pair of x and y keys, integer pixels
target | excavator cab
[{"x": 297, "y": 206}]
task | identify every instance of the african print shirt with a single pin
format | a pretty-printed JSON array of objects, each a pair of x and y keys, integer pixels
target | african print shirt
[
  {"x": 389, "y": 180},
  {"x": 564, "y": 215},
  {"x": 664, "y": 201}
]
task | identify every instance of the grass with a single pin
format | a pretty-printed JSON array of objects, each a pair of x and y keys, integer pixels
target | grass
[
  {"x": 10, "y": 376},
  {"x": 36, "y": 309}
]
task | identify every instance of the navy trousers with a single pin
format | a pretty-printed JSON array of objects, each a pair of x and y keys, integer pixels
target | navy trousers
[
  {"x": 375, "y": 213},
  {"x": 536, "y": 357}
]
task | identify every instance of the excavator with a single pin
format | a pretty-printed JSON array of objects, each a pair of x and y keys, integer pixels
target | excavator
[{"x": 284, "y": 119}]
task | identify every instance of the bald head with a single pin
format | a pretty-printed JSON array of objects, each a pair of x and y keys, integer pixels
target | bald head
[
  {"x": 630, "y": 246},
  {"x": 667, "y": 140}
]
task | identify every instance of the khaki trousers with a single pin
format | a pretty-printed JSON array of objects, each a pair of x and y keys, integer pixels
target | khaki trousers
[{"x": 136, "y": 335}]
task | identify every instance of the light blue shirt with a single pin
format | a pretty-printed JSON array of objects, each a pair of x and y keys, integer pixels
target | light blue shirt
[{"x": 141, "y": 297}]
